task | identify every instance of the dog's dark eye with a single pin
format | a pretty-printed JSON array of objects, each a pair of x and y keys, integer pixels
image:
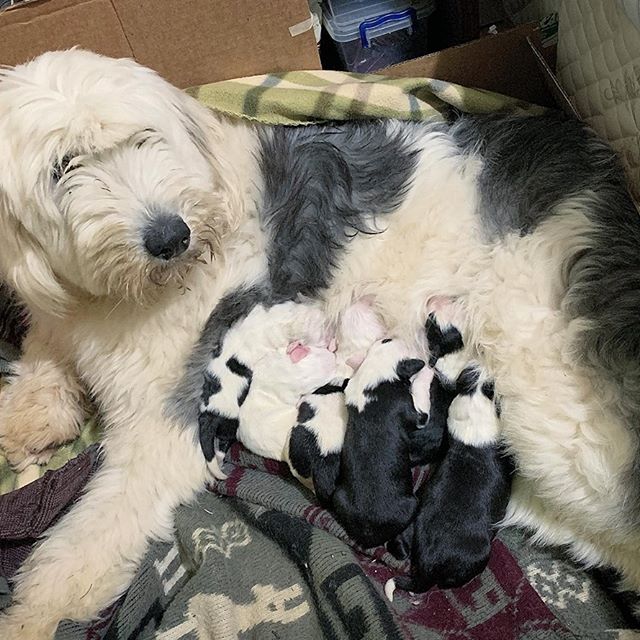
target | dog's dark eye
[
  {"x": 146, "y": 135},
  {"x": 60, "y": 168}
]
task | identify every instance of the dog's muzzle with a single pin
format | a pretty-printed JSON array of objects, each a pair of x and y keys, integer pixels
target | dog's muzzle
[{"x": 167, "y": 237}]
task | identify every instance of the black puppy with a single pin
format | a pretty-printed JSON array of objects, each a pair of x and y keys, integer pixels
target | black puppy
[
  {"x": 467, "y": 495},
  {"x": 374, "y": 498}
]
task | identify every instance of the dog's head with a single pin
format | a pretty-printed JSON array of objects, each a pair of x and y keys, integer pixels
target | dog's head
[{"x": 107, "y": 184}]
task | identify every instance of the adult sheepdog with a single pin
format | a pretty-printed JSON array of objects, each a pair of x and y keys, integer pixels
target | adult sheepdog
[{"x": 128, "y": 213}]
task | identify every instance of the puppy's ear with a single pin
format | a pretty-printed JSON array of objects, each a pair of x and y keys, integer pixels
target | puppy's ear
[{"x": 408, "y": 368}]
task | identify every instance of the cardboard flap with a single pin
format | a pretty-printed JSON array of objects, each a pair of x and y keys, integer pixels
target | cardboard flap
[
  {"x": 552, "y": 83},
  {"x": 502, "y": 63}
]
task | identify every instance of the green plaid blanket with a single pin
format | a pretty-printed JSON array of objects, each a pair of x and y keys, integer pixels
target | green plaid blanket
[{"x": 300, "y": 97}]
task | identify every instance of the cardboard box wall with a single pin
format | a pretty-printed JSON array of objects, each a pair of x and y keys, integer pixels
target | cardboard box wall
[
  {"x": 189, "y": 42},
  {"x": 192, "y": 42}
]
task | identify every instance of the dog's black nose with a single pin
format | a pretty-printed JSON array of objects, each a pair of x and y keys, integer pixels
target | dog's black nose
[{"x": 167, "y": 237}]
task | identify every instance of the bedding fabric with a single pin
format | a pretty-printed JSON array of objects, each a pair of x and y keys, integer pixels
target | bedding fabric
[{"x": 256, "y": 558}]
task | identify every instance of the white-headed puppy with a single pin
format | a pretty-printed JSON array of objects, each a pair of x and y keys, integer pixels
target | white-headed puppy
[
  {"x": 374, "y": 498},
  {"x": 277, "y": 337},
  {"x": 279, "y": 381}
]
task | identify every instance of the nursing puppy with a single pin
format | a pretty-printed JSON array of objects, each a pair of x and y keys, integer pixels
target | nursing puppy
[
  {"x": 315, "y": 442},
  {"x": 279, "y": 381},
  {"x": 261, "y": 340},
  {"x": 374, "y": 498},
  {"x": 465, "y": 498}
]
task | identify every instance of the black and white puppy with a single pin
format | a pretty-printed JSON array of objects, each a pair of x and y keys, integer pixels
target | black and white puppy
[
  {"x": 317, "y": 438},
  {"x": 434, "y": 393},
  {"x": 466, "y": 497},
  {"x": 260, "y": 345},
  {"x": 374, "y": 498}
]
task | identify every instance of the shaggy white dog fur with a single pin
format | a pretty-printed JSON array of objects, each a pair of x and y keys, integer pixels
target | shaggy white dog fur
[{"x": 99, "y": 158}]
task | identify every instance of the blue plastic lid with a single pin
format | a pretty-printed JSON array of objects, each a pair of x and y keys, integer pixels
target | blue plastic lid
[{"x": 343, "y": 18}]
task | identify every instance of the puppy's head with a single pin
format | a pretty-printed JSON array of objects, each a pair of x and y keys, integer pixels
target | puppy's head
[
  {"x": 107, "y": 187},
  {"x": 387, "y": 360}
]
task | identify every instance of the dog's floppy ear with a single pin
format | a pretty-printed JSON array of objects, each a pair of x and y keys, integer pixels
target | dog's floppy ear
[
  {"x": 408, "y": 368},
  {"x": 27, "y": 269}
]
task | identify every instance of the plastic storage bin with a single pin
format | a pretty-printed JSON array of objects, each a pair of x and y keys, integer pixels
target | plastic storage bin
[{"x": 371, "y": 35}]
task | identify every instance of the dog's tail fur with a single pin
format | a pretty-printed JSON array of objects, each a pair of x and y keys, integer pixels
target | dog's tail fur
[
  {"x": 604, "y": 290},
  {"x": 539, "y": 169}
]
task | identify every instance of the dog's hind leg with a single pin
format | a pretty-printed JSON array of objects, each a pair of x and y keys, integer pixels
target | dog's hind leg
[
  {"x": 89, "y": 558},
  {"x": 43, "y": 405}
]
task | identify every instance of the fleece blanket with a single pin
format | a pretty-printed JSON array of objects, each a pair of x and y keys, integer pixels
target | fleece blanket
[{"x": 255, "y": 557}]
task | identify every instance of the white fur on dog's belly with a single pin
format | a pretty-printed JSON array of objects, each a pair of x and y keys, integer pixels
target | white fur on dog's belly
[
  {"x": 551, "y": 413},
  {"x": 431, "y": 245}
]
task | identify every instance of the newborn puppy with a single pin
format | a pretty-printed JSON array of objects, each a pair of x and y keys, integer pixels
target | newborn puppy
[
  {"x": 316, "y": 441},
  {"x": 374, "y": 498},
  {"x": 435, "y": 386},
  {"x": 280, "y": 379},
  {"x": 450, "y": 540},
  {"x": 230, "y": 371}
]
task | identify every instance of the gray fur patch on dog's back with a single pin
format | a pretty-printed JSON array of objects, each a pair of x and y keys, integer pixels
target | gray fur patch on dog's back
[
  {"x": 531, "y": 164},
  {"x": 324, "y": 184}
]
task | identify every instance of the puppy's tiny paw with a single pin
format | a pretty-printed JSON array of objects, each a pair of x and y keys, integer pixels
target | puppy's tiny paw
[{"x": 215, "y": 466}]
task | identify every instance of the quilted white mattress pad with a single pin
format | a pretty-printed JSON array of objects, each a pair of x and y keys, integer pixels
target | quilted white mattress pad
[{"x": 599, "y": 66}]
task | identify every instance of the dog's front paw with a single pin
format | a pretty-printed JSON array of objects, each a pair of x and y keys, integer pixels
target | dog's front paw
[{"x": 36, "y": 418}]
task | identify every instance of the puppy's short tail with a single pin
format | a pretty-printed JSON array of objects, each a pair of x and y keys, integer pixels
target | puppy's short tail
[{"x": 389, "y": 589}]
